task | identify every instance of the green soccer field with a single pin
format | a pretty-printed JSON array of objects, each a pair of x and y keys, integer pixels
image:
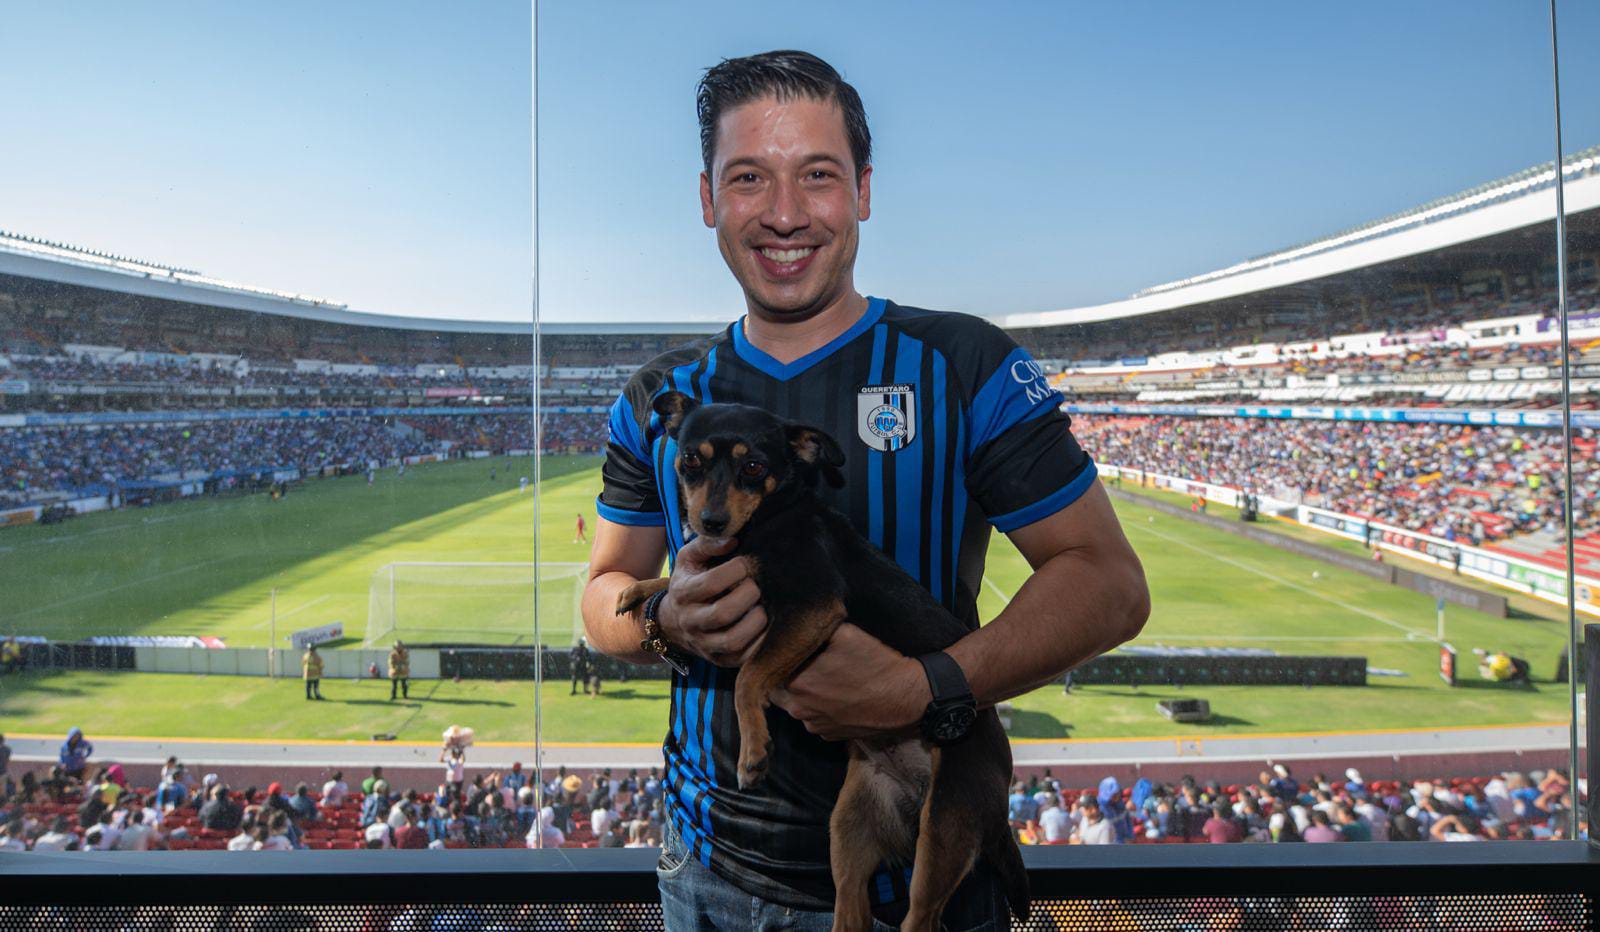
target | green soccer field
[
  {"x": 212, "y": 568},
  {"x": 209, "y": 568}
]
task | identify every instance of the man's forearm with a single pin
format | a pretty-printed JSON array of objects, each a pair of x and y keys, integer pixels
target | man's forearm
[
  {"x": 612, "y": 634},
  {"x": 1071, "y": 609}
]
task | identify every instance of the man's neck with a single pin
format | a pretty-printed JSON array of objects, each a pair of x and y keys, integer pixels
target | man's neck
[{"x": 788, "y": 340}]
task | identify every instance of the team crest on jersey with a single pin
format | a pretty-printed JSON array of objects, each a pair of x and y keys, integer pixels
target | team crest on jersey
[{"x": 886, "y": 416}]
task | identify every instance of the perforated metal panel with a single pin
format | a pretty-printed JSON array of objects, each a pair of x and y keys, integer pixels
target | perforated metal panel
[{"x": 1512, "y": 913}]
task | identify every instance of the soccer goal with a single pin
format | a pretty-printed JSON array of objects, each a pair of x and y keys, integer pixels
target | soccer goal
[{"x": 487, "y": 603}]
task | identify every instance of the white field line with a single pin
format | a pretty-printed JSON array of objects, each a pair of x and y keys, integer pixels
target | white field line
[
  {"x": 96, "y": 593},
  {"x": 133, "y": 526},
  {"x": 1279, "y": 579},
  {"x": 996, "y": 589}
]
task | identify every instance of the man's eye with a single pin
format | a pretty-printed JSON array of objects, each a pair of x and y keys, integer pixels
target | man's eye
[
  {"x": 746, "y": 178},
  {"x": 753, "y": 470},
  {"x": 691, "y": 461},
  {"x": 821, "y": 175}
]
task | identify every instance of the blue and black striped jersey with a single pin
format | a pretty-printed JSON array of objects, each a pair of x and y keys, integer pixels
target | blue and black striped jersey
[{"x": 949, "y": 429}]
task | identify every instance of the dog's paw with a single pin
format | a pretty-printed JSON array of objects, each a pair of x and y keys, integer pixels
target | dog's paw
[
  {"x": 753, "y": 766},
  {"x": 633, "y": 597}
]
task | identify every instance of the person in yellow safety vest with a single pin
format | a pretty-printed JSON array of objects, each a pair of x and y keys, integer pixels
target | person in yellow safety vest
[
  {"x": 311, "y": 667},
  {"x": 1501, "y": 667},
  {"x": 10, "y": 655},
  {"x": 399, "y": 671}
]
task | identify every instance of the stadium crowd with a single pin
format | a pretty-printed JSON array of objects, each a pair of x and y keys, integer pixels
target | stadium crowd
[
  {"x": 73, "y": 806},
  {"x": 1473, "y": 484},
  {"x": 1279, "y": 808},
  {"x": 37, "y": 461},
  {"x": 96, "y": 370}
]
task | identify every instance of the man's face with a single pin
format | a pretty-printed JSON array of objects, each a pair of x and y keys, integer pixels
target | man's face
[{"x": 784, "y": 199}]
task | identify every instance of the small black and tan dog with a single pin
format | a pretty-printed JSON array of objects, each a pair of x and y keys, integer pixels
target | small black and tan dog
[{"x": 745, "y": 473}]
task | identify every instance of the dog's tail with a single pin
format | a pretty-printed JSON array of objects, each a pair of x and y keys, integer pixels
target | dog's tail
[{"x": 1002, "y": 853}]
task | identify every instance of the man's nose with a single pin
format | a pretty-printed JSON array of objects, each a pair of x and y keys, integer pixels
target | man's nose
[
  {"x": 786, "y": 212},
  {"x": 713, "y": 522}
]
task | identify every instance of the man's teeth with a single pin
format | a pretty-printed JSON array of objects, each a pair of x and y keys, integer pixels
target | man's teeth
[{"x": 788, "y": 255}]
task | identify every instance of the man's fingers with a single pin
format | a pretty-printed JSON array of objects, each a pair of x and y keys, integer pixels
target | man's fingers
[
  {"x": 730, "y": 644},
  {"x": 696, "y": 553},
  {"x": 706, "y": 585},
  {"x": 734, "y": 605}
]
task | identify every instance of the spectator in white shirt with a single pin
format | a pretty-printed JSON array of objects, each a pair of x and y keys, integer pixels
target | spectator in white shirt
[
  {"x": 11, "y": 836},
  {"x": 600, "y": 820},
  {"x": 553, "y": 837},
  {"x": 106, "y": 833},
  {"x": 138, "y": 835},
  {"x": 276, "y": 834},
  {"x": 1094, "y": 829},
  {"x": 1055, "y": 822},
  {"x": 397, "y": 815},
  {"x": 380, "y": 835},
  {"x": 335, "y": 791},
  {"x": 59, "y": 838},
  {"x": 246, "y": 838}
]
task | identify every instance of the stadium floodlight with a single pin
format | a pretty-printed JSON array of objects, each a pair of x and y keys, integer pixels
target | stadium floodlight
[{"x": 475, "y": 603}]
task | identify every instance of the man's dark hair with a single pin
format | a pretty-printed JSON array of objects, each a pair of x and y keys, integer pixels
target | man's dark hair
[{"x": 785, "y": 75}]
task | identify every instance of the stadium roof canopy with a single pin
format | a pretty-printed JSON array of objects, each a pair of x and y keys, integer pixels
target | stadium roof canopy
[
  {"x": 1515, "y": 202},
  {"x": 28, "y": 257},
  {"x": 1512, "y": 203}
]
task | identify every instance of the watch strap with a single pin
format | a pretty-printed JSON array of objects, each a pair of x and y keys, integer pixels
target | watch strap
[{"x": 945, "y": 678}]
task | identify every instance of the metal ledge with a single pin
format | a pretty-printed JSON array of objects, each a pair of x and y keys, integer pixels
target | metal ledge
[{"x": 628, "y": 875}]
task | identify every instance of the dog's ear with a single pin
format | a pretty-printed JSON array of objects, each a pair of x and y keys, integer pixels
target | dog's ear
[
  {"x": 673, "y": 408},
  {"x": 814, "y": 448}
]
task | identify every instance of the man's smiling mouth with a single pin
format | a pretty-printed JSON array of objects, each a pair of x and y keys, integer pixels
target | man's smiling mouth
[{"x": 785, "y": 263}]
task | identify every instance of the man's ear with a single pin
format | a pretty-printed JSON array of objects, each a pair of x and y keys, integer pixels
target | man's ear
[
  {"x": 673, "y": 408},
  {"x": 816, "y": 449}
]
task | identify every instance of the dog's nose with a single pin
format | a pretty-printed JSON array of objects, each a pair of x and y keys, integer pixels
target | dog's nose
[{"x": 713, "y": 523}]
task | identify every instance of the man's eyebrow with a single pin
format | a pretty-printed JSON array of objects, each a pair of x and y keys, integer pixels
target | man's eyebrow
[{"x": 750, "y": 161}]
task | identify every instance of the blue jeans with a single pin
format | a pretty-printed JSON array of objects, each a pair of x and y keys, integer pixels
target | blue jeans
[{"x": 693, "y": 898}]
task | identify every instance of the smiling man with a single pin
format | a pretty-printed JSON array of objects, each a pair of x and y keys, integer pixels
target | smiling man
[{"x": 949, "y": 430}]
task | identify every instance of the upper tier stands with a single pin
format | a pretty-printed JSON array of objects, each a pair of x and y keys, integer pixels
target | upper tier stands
[{"x": 1474, "y": 484}]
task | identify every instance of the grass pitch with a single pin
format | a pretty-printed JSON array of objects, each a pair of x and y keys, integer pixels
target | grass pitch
[{"x": 208, "y": 568}]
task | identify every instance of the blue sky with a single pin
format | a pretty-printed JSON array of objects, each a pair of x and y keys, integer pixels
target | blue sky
[
  {"x": 372, "y": 153},
  {"x": 1029, "y": 156}
]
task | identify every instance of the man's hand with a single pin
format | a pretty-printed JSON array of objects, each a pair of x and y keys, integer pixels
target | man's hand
[
  {"x": 711, "y": 611},
  {"x": 856, "y": 686}
]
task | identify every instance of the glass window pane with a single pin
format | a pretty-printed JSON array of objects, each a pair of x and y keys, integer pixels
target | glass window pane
[
  {"x": 1301, "y": 311},
  {"x": 265, "y": 372}
]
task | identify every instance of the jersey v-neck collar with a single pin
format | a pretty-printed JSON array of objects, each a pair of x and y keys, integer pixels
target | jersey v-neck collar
[{"x": 783, "y": 372}]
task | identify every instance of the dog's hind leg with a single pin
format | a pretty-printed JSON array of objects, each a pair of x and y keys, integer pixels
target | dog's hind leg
[
  {"x": 790, "y": 641},
  {"x": 855, "y": 846},
  {"x": 949, "y": 837}
]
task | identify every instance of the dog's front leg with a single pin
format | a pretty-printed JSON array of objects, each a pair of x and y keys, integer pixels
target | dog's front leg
[
  {"x": 633, "y": 597},
  {"x": 791, "y": 638}
]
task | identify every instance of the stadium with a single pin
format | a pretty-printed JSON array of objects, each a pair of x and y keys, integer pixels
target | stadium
[{"x": 1341, "y": 465}]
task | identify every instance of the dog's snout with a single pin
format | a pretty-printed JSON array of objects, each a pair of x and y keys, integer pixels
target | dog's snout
[{"x": 713, "y": 523}]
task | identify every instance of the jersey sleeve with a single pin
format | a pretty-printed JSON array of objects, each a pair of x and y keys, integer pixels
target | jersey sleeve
[
  {"x": 1023, "y": 464},
  {"x": 628, "y": 493}
]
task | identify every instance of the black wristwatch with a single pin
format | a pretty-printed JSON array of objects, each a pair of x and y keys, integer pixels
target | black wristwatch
[{"x": 951, "y": 713}]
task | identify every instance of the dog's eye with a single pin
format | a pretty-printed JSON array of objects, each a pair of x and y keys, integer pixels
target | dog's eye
[
  {"x": 690, "y": 460},
  {"x": 753, "y": 470}
]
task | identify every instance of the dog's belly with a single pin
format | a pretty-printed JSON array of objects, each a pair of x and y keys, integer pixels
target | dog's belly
[{"x": 898, "y": 775}]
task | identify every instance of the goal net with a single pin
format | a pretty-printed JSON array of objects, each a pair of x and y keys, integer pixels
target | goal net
[{"x": 487, "y": 603}]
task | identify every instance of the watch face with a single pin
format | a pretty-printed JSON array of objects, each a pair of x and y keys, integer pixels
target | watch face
[{"x": 953, "y": 723}]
